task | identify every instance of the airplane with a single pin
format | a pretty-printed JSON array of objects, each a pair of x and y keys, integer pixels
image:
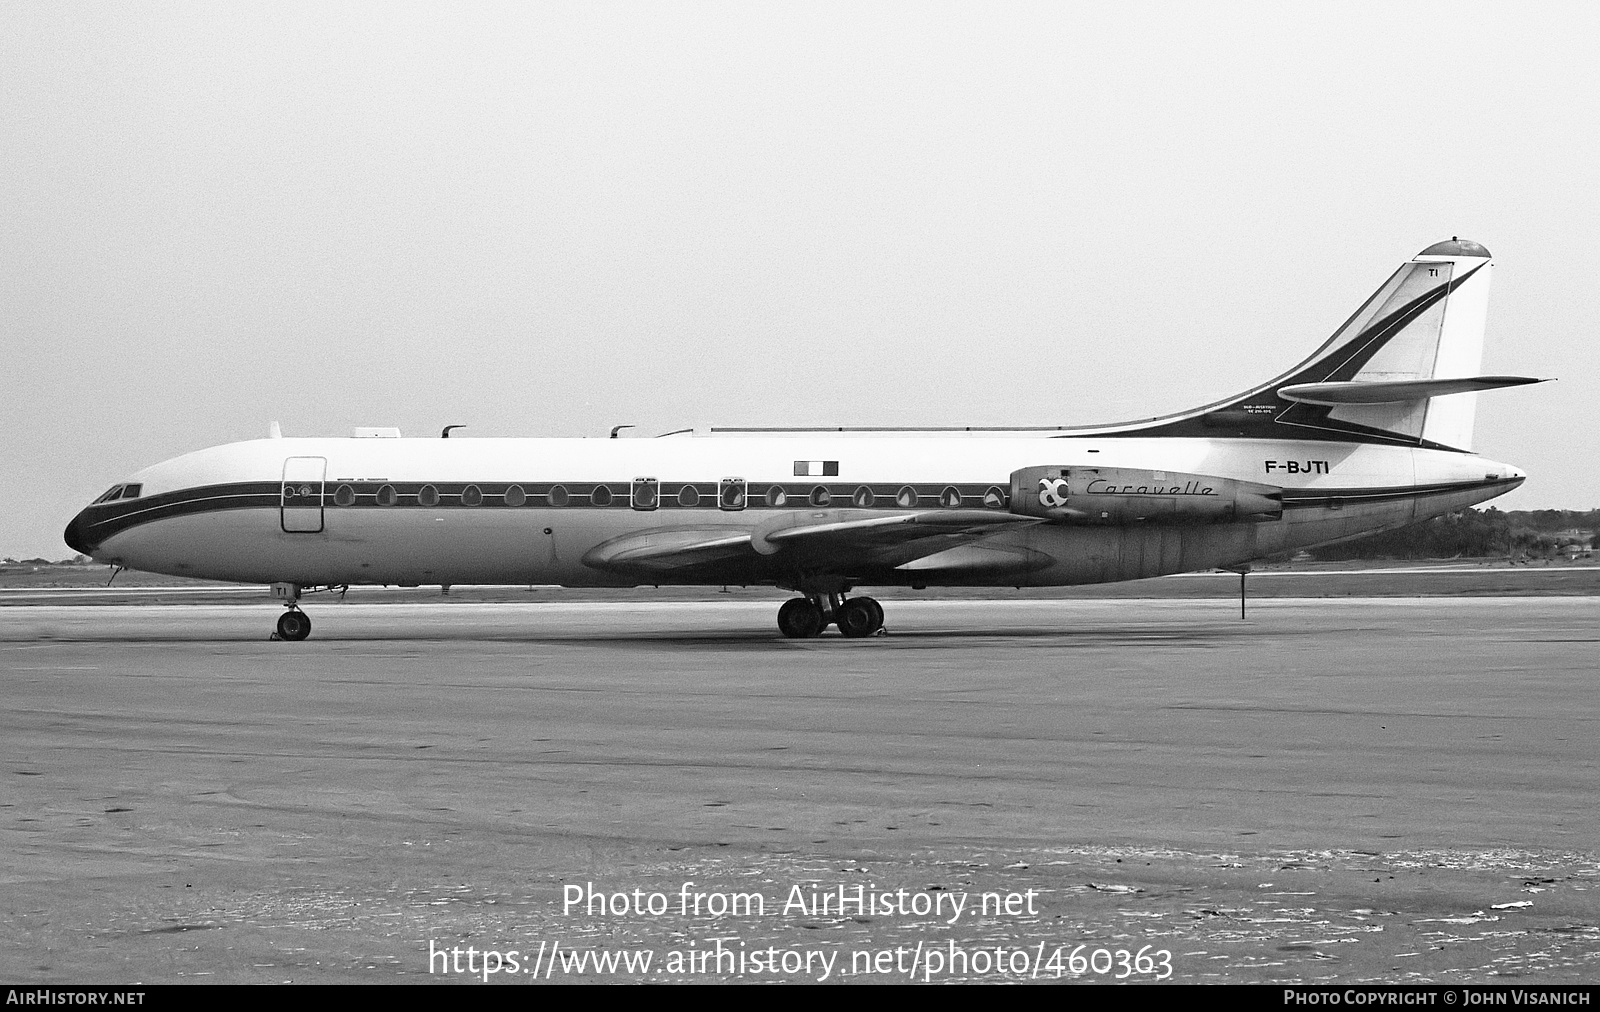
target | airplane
[{"x": 1373, "y": 431}]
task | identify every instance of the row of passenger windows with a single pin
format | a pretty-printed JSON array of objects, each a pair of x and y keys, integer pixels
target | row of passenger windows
[{"x": 646, "y": 496}]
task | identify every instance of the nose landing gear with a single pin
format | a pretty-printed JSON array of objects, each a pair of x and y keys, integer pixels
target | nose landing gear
[
  {"x": 294, "y": 625},
  {"x": 803, "y": 617}
]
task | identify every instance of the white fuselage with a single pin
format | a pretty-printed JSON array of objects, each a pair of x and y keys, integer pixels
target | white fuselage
[{"x": 226, "y": 513}]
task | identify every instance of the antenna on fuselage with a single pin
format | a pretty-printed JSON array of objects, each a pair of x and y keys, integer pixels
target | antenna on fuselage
[
  {"x": 274, "y": 432},
  {"x": 445, "y": 432},
  {"x": 618, "y": 428}
]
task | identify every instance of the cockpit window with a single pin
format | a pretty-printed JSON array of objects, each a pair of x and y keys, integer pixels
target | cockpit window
[
  {"x": 132, "y": 491},
  {"x": 115, "y": 492}
]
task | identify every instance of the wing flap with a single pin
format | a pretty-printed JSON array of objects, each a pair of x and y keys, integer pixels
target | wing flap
[
  {"x": 665, "y": 549},
  {"x": 969, "y": 559},
  {"x": 856, "y": 527}
]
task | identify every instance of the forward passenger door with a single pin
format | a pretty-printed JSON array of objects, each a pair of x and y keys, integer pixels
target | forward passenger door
[{"x": 301, "y": 503}]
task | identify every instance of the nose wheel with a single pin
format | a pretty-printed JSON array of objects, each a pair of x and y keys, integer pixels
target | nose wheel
[
  {"x": 803, "y": 618},
  {"x": 294, "y": 625}
]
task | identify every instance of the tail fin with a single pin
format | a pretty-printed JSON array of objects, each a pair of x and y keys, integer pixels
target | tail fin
[
  {"x": 1402, "y": 370},
  {"x": 1425, "y": 323},
  {"x": 1458, "y": 348}
]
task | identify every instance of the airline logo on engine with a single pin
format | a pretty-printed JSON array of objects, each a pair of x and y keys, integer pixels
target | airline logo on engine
[{"x": 1053, "y": 491}]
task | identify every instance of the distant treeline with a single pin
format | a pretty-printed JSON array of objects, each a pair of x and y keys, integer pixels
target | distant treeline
[{"x": 1473, "y": 534}]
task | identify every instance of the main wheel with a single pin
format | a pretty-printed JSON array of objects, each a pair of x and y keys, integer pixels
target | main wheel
[
  {"x": 799, "y": 619},
  {"x": 294, "y": 626},
  {"x": 855, "y": 617},
  {"x": 877, "y": 612}
]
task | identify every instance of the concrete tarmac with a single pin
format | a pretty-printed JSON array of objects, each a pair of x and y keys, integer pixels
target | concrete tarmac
[{"x": 1340, "y": 790}]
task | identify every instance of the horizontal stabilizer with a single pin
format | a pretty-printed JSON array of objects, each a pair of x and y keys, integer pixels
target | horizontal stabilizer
[{"x": 1396, "y": 391}]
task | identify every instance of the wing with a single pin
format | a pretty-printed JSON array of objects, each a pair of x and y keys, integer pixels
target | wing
[
  {"x": 850, "y": 540},
  {"x": 832, "y": 540}
]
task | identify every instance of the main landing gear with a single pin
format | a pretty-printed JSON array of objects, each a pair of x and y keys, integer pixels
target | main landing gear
[
  {"x": 294, "y": 625},
  {"x": 805, "y": 617}
]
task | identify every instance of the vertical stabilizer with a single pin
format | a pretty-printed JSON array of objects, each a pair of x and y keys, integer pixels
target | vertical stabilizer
[
  {"x": 1386, "y": 376},
  {"x": 1449, "y": 419},
  {"x": 1434, "y": 309}
]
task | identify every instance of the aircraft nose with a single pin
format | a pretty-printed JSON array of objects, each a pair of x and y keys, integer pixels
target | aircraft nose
[{"x": 76, "y": 538}]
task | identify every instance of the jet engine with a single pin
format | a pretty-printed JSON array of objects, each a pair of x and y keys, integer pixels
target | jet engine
[{"x": 1126, "y": 495}]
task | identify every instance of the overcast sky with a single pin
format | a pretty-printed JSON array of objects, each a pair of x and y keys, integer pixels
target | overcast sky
[{"x": 548, "y": 219}]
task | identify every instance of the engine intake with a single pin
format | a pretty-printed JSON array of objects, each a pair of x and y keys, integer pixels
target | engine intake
[{"x": 1126, "y": 495}]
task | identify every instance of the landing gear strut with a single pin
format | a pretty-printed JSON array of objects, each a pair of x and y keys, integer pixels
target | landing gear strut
[
  {"x": 294, "y": 625},
  {"x": 805, "y": 617}
]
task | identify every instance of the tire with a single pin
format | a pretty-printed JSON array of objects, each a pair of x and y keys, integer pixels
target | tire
[
  {"x": 877, "y": 612},
  {"x": 294, "y": 626},
  {"x": 856, "y": 617},
  {"x": 799, "y": 619}
]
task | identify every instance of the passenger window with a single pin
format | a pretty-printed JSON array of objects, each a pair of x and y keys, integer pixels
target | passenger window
[
  {"x": 346, "y": 496},
  {"x": 428, "y": 496},
  {"x": 820, "y": 496},
  {"x": 645, "y": 493},
  {"x": 472, "y": 495},
  {"x": 950, "y": 498},
  {"x": 601, "y": 496},
  {"x": 387, "y": 496},
  {"x": 906, "y": 497},
  {"x": 731, "y": 493},
  {"x": 515, "y": 496},
  {"x": 863, "y": 497},
  {"x": 559, "y": 495},
  {"x": 994, "y": 499},
  {"x": 776, "y": 496},
  {"x": 688, "y": 496}
]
